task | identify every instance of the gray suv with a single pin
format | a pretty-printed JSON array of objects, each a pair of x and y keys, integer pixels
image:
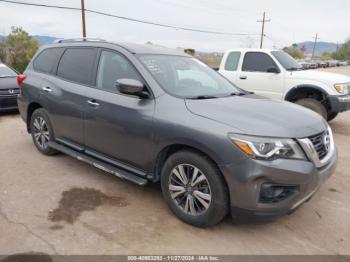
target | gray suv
[{"x": 150, "y": 114}]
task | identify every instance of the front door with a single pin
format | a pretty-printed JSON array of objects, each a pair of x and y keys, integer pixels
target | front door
[
  {"x": 118, "y": 126},
  {"x": 256, "y": 75}
]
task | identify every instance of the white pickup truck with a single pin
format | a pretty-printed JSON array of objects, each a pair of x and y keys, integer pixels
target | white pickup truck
[{"x": 275, "y": 74}]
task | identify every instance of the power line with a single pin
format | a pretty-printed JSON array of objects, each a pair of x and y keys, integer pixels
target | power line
[{"x": 129, "y": 19}]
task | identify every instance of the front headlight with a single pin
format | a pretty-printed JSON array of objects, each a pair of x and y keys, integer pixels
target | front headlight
[
  {"x": 268, "y": 148},
  {"x": 342, "y": 88}
]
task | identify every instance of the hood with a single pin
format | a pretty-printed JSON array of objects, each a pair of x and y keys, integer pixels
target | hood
[
  {"x": 322, "y": 76},
  {"x": 8, "y": 83},
  {"x": 255, "y": 115}
]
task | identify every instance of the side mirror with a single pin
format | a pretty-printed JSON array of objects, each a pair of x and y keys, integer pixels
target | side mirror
[
  {"x": 273, "y": 70},
  {"x": 131, "y": 87}
]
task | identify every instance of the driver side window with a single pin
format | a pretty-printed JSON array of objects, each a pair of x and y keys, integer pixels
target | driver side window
[
  {"x": 258, "y": 62},
  {"x": 113, "y": 66}
]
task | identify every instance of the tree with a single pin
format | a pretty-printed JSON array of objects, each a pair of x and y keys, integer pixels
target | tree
[
  {"x": 326, "y": 56},
  {"x": 293, "y": 52},
  {"x": 343, "y": 53},
  {"x": 18, "y": 49}
]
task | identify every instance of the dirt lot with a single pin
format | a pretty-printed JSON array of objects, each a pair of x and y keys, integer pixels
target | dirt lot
[{"x": 60, "y": 205}]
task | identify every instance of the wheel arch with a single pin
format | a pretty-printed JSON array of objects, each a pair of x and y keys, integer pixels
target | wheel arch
[
  {"x": 31, "y": 108},
  {"x": 309, "y": 91},
  {"x": 170, "y": 149},
  {"x": 291, "y": 95}
]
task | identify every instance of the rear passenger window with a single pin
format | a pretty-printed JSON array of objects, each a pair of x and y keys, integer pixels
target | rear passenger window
[
  {"x": 257, "y": 62},
  {"x": 77, "y": 65},
  {"x": 113, "y": 66},
  {"x": 232, "y": 61},
  {"x": 46, "y": 61}
]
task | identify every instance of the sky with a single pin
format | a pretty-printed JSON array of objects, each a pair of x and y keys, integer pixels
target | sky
[{"x": 291, "y": 21}]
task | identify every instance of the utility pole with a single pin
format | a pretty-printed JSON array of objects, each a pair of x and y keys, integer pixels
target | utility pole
[
  {"x": 263, "y": 21},
  {"x": 83, "y": 18},
  {"x": 313, "y": 49}
]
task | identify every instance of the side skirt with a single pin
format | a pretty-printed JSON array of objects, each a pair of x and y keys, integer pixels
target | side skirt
[{"x": 99, "y": 164}]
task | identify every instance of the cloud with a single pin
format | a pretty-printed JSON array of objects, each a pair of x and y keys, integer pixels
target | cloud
[{"x": 291, "y": 21}]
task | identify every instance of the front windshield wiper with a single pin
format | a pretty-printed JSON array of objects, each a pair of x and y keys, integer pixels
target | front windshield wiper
[
  {"x": 293, "y": 68},
  {"x": 237, "y": 94},
  {"x": 203, "y": 97}
]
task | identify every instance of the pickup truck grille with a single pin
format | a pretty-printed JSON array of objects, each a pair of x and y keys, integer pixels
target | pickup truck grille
[{"x": 321, "y": 143}]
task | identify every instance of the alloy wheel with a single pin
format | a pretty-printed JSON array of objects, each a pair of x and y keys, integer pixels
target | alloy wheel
[
  {"x": 190, "y": 189},
  {"x": 41, "y": 132}
]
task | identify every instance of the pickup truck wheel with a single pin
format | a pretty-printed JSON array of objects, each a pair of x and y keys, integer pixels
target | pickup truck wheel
[
  {"x": 314, "y": 105},
  {"x": 41, "y": 131},
  {"x": 331, "y": 116},
  {"x": 194, "y": 189}
]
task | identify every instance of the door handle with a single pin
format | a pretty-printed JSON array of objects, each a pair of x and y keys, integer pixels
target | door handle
[
  {"x": 46, "y": 89},
  {"x": 243, "y": 77},
  {"x": 93, "y": 103}
]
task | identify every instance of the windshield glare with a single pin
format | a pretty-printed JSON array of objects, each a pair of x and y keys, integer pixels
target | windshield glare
[
  {"x": 187, "y": 77},
  {"x": 286, "y": 60},
  {"x": 6, "y": 72}
]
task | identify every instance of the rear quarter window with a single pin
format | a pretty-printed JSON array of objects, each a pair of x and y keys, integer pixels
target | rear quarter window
[
  {"x": 77, "y": 65},
  {"x": 232, "y": 61},
  {"x": 47, "y": 60}
]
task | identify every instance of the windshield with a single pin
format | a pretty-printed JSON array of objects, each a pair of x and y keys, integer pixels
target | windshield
[
  {"x": 6, "y": 72},
  {"x": 286, "y": 60},
  {"x": 187, "y": 77}
]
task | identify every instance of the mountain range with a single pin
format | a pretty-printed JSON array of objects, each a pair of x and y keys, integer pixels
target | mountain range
[{"x": 321, "y": 47}]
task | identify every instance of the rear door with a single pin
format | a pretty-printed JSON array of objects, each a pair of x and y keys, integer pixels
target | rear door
[
  {"x": 65, "y": 93},
  {"x": 118, "y": 126},
  {"x": 255, "y": 76}
]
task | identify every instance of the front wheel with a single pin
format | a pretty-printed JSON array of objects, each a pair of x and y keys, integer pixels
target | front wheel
[
  {"x": 194, "y": 189},
  {"x": 331, "y": 116},
  {"x": 313, "y": 105}
]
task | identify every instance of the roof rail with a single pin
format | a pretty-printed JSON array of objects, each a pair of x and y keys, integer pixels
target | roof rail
[{"x": 81, "y": 39}]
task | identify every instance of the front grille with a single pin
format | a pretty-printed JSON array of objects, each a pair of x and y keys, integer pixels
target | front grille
[
  {"x": 8, "y": 102},
  {"x": 9, "y": 92},
  {"x": 319, "y": 144}
]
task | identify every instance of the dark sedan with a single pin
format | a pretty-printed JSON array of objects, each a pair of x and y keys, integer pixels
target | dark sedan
[{"x": 9, "y": 89}]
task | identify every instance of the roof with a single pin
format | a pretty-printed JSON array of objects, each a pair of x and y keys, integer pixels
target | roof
[
  {"x": 149, "y": 49},
  {"x": 131, "y": 47},
  {"x": 252, "y": 50}
]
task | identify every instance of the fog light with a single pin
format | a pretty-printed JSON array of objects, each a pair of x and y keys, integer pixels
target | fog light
[{"x": 272, "y": 193}]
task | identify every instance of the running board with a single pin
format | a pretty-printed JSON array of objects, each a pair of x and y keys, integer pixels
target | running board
[{"x": 99, "y": 164}]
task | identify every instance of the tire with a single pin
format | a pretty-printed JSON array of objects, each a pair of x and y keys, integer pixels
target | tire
[
  {"x": 313, "y": 105},
  {"x": 206, "y": 211},
  {"x": 42, "y": 132},
  {"x": 331, "y": 116}
]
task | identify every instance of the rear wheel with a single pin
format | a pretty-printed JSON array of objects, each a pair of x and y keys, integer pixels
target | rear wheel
[
  {"x": 314, "y": 105},
  {"x": 194, "y": 189},
  {"x": 41, "y": 131}
]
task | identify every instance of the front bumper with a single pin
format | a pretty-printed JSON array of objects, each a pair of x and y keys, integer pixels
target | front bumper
[
  {"x": 245, "y": 179},
  {"x": 340, "y": 103},
  {"x": 8, "y": 103}
]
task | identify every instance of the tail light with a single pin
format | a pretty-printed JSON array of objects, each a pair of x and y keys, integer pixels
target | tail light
[{"x": 20, "y": 79}]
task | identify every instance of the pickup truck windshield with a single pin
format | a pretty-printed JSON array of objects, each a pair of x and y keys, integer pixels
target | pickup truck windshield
[
  {"x": 187, "y": 77},
  {"x": 6, "y": 72},
  {"x": 286, "y": 60}
]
